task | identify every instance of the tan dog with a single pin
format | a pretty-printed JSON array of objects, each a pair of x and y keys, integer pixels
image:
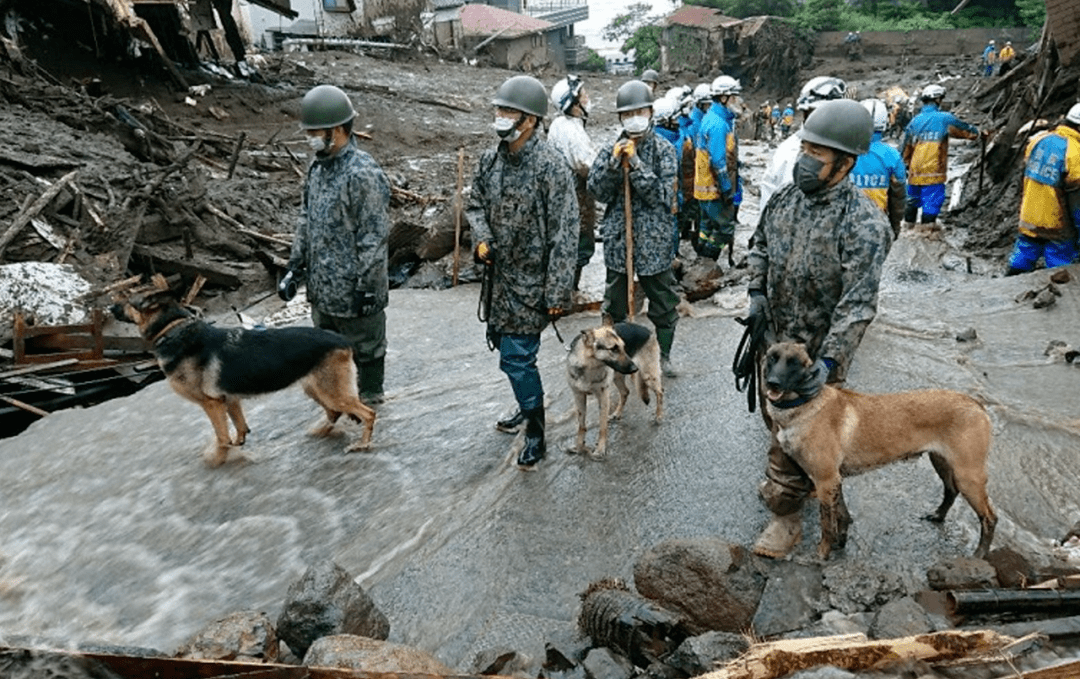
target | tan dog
[
  {"x": 600, "y": 357},
  {"x": 217, "y": 367},
  {"x": 838, "y": 433}
]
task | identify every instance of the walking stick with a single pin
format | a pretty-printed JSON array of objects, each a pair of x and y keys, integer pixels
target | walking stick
[
  {"x": 982, "y": 159},
  {"x": 629, "y": 241},
  {"x": 457, "y": 213}
]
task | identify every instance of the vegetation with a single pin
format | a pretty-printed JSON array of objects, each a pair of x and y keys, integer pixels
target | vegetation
[
  {"x": 594, "y": 63},
  {"x": 639, "y": 32}
]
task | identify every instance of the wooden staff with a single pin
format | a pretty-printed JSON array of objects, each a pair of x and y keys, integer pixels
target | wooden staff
[
  {"x": 457, "y": 212},
  {"x": 629, "y": 241}
]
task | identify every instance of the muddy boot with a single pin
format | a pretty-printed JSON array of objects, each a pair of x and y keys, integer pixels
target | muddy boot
[
  {"x": 780, "y": 536},
  {"x": 665, "y": 337},
  {"x": 512, "y": 424},
  {"x": 535, "y": 448}
]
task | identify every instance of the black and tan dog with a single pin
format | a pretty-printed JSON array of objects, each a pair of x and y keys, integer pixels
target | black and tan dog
[
  {"x": 217, "y": 367},
  {"x": 600, "y": 357},
  {"x": 838, "y": 433}
]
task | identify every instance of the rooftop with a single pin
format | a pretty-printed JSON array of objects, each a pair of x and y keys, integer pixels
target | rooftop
[{"x": 484, "y": 20}]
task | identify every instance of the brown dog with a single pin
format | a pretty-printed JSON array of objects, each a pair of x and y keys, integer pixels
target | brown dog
[
  {"x": 838, "y": 433},
  {"x": 598, "y": 359},
  {"x": 217, "y": 367}
]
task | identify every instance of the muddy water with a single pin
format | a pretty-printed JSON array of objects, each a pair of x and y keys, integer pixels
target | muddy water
[{"x": 113, "y": 530}]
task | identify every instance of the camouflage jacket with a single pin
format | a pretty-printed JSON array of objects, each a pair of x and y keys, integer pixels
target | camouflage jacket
[
  {"x": 818, "y": 260},
  {"x": 652, "y": 196},
  {"x": 523, "y": 205},
  {"x": 341, "y": 235}
]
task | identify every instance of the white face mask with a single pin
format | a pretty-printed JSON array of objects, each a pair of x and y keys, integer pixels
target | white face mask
[
  {"x": 635, "y": 125},
  {"x": 507, "y": 128},
  {"x": 317, "y": 142}
]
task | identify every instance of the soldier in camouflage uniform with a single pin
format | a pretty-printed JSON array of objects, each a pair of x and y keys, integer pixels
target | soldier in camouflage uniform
[
  {"x": 524, "y": 220},
  {"x": 815, "y": 264},
  {"x": 340, "y": 240},
  {"x": 651, "y": 164}
]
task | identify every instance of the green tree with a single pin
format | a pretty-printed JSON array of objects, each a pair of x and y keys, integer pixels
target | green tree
[
  {"x": 820, "y": 15},
  {"x": 624, "y": 25},
  {"x": 1032, "y": 12},
  {"x": 594, "y": 62},
  {"x": 741, "y": 9},
  {"x": 646, "y": 45}
]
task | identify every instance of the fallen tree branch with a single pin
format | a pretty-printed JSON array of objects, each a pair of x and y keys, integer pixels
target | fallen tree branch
[{"x": 24, "y": 218}]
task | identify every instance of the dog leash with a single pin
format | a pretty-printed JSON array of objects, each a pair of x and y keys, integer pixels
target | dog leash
[{"x": 745, "y": 363}]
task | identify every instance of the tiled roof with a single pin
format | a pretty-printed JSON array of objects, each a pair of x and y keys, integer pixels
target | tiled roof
[
  {"x": 484, "y": 20},
  {"x": 698, "y": 16}
]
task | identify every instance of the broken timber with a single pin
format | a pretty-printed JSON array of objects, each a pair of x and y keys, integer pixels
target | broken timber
[{"x": 854, "y": 652}]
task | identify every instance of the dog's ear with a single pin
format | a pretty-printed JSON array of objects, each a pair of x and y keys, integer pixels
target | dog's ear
[
  {"x": 588, "y": 338},
  {"x": 607, "y": 321}
]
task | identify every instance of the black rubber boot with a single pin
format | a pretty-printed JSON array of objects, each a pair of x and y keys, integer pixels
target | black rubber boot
[
  {"x": 372, "y": 374},
  {"x": 535, "y": 448},
  {"x": 512, "y": 424}
]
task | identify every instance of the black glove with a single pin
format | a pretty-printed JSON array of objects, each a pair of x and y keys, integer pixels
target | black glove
[
  {"x": 759, "y": 306},
  {"x": 286, "y": 288},
  {"x": 364, "y": 303}
]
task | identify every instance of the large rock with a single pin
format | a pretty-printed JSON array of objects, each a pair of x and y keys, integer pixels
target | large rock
[
  {"x": 1011, "y": 568},
  {"x": 326, "y": 601},
  {"x": 903, "y": 617},
  {"x": 792, "y": 599},
  {"x": 352, "y": 652},
  {"x": 852, "y": 587},
  {"x": 602, "y": 663},
  {"x": 961, "y": 573},
  {"x": 707, "y": 580},
  {"x": 705, "y": 652},
  {"x": 244, "y": 636}
]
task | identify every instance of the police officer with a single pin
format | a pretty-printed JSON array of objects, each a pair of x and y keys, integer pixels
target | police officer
[
  {"x": 989, "y": 58},
  {"x": 524, "y": 219},
  {"x": 716, "y": 175},
  {"x": 1050, "y": 208},
  {"x": 880, "y": 171},
  {"x": 815, "y": 264},
  {"x": 649, "y": 162},
  {"x": 567, "y": 134},
  {"x": 340, "y": 241},
  {"x": 926, "y": 152}
]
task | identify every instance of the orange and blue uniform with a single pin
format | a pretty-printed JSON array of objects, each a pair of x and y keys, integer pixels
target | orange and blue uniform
[
  {"x": 926, "y": 155},
  {"x": 1050, "y": 208},
  {"x": 716, "y": 179}
]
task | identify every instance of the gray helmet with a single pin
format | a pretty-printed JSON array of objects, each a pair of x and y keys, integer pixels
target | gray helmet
[
  {"x": 633, "y": 95},
  {"x": 522, "y": 93},
  {"x": 650, "y": 76},
  {"x": 840, "y": 124},
  {"x": 324, "y": 107}
]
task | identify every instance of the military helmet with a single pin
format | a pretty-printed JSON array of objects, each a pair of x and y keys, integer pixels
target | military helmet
[
  {"x": 819, "y": 89},
  {"x": 879, "y": 112},
  {"x": 324, "y": 107},
  {"x": 934, "y": 91},
  {"x": 565, "y": 93},
  {"x": 1073, "y": 116},
  {"x": 725, "y": 84},
  {"x": 842, "y": 124},
  {"x": 633, "y": 95},
  {"x": 522, "y": 93},
  {"x": 650, "y": 76}
]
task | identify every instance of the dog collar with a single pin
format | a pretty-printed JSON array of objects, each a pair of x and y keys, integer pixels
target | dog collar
[
  {"x": 793, "y": 403},
  {"x": 168, "y": 328}
]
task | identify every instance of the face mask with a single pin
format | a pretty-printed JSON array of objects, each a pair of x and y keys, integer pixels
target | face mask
[
  {"x": 506, "y": 128},
  {"x": 635, "y": 125},
  {"x": 807, "y": 169},
  {"x": 317, "y": 142}
]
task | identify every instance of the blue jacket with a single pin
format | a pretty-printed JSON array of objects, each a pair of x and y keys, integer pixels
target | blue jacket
[
  {"x": 716, "y": 138},
  {"x": 926, "y": 144},
  {"x": 876, "y": 168}
]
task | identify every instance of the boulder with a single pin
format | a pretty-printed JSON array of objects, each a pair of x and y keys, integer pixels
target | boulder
[
  {"x": 602, "y": 663},
  {"x": 326, "y": 601},
  {"x": 703, "y": 653},
  {"x": 243, "y": 636},
  {"x": 1011, "y": 568},
  {"x": 902, "y": 617},
  {"x": 961, "y": 573},
  {"x": 791, "y": 599},
  {"x": 352, "y": 652},
  {"x": 708, "y": 580},
  {"x": 852, "y": 587}
]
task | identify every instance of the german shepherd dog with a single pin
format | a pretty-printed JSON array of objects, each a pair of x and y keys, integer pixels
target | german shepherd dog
[
  {"x": 839, "y": 433},
  {"x": 217, "y": 367},
  {"x": 600, "y": 357}
]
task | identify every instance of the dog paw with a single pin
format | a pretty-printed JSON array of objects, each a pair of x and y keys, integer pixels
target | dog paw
[
  {"x": 578, "y": 450},
  {"x": 359, "y": 446},
  {"x": 322, "y": 430},
  {"x": 934, "y": 518},
  {"x": 599, "y": 453},
  {"x": 215, "y": 456}
]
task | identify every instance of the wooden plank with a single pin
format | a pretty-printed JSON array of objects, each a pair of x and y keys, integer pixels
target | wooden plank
[
  {"x": 37, "y": 368},
  {"x": 1067, "y": 670},
  {"x": 214, "y": 273},
  {"x": 24, "y": 406},
  {"x": 37, "y": 206}
]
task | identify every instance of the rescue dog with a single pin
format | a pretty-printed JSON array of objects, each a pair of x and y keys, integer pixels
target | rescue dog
[
  {"x": 839, "y": 432},
  {"x": 601, "y": 357},
  {"x": 216, "y": 367}
]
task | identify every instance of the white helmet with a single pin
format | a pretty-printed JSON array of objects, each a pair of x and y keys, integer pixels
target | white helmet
[
  {"x": 879, "y": 111},
  {"x": 565, "y": 93},
  {"x": 819, "y": 89},
  {"x": 664, "y": 110},
  {"x": 677, "y": 93},
  {"x": 934, "y": 91},
  {"x": 702, "y": 92},
  {"x": 725, "y": 84},
  {"x": 991, "y": 42},
  {"x": 1073, "y": 116}
]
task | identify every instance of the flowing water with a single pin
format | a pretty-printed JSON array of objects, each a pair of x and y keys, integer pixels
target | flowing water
[{"x": 113, "y": 530}]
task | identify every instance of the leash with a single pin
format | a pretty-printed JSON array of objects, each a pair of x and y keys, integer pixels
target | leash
[
  {"x": 745, "y": 362},
  {"x": 483, "y": 307}
]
